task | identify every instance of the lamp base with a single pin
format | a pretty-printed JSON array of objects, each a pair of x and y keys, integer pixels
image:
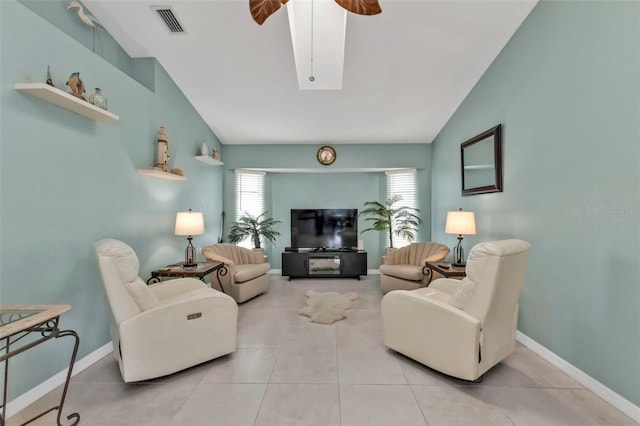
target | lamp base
[
  {"x": 458, "y": 254},
  {"x": 190, "y": 255}
]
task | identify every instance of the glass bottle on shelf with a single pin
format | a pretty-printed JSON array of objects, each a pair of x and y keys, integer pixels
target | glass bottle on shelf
[{"x": 97, "y": 99}]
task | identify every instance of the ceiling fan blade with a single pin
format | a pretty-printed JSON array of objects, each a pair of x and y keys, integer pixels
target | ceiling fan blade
[
  {"x": 361, "y": 7},
  {"x": 262, "y": 9}
]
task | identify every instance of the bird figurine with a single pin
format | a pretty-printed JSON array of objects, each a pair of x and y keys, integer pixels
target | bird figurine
[
  {"x": 76, "y": 85},
  {"x": 87, "y": 19},
  {"x": 49, "y": 79}
]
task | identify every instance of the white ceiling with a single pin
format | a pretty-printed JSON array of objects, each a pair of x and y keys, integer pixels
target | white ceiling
[{"x": 406, "y": 70}]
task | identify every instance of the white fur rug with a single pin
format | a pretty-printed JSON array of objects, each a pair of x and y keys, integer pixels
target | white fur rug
[{"x": 327, "y": 308}]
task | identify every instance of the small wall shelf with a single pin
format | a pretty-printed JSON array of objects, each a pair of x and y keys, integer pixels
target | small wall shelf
[
  {"x": 479, "y": 167},
  {"x": 65, "y": 100},
  {"x": 209, "y": 160},
  {"x": 159, "y": 174}
]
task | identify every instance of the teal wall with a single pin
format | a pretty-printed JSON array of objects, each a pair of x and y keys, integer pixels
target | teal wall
[
  {"x": 98, "y": 41},
  {"x": 567, "y": 90},
  {"x": 313, "y": 188},
  {"x": 67, "y": 181}
]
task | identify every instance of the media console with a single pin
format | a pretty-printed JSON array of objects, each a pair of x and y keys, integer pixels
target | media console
[{"x": 324, "y": 263}]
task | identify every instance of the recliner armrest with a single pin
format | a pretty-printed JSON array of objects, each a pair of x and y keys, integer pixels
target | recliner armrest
[
  {"x": 172, "y": 288},
  {"x": 169, "y": 319},
  {"x": 446, "y": 285}
]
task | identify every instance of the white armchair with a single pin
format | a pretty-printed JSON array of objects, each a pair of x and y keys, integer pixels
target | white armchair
[
  {"x": 404, "y": 269},
  {"x": 166, "y": 327},
  {"x": 246, "y": 271},
  {"x": 461, "y": 328}
]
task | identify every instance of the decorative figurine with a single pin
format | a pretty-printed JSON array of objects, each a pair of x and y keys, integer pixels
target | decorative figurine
[
  {"x": 86, "y": 19},
  {"x": 204, "y": 149},
  {"x": 90, "y": 21},
  {"x": 49, "y": 80},
  {"x": 163, "y": 150},
  {"x": 215, "y": 154},
  {"x": 76, "y": 85}
]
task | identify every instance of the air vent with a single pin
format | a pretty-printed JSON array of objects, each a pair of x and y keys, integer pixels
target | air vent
[{"x": 170, "y": 19}]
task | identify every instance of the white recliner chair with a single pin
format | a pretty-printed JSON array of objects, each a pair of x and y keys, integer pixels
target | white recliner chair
[
  {"x": 166, "y": 327},
  {"x": 461, "y": 328}
]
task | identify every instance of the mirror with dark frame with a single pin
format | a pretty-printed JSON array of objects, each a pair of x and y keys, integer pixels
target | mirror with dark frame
[{"x": 481, "y": 163}]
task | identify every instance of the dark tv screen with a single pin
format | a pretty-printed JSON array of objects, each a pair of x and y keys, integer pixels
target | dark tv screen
[{"x": 330, "y": 228}]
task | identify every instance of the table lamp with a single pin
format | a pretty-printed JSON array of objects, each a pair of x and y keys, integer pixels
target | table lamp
[
  {"x": 189, "y": 223},
  {"x": 461, "y": 223}
]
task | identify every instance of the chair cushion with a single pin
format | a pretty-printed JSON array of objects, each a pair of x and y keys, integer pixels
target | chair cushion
[
  {"x": 463, "y": 294},
  {"x": 407, "y": 272},
  {"x": 144, "y": 298},
  {"x": 248, "y": 272}
]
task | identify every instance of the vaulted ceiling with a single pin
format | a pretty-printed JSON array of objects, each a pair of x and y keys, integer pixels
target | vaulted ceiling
[{"x": 405, "y": 71}]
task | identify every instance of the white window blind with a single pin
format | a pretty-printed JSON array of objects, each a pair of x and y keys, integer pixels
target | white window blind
[
  {"x": 249, "y": 196},
  {"x": 402, "y": 182}
]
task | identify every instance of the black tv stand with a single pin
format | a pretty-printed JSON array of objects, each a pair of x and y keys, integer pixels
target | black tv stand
[
  {"x": 332, "y": 250},
  {"x": 324, "y": 263}
]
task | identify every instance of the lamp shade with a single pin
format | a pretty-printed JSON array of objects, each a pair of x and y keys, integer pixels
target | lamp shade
[
  {"x": 460, "y": 222},
  {"x": 189, "y": 223}
]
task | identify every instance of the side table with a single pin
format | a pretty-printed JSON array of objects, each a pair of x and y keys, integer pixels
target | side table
[
  {"x": 178, "y": 270},
  {"x": 440, "y": 267},
  {"x": 18, "y": 321}
]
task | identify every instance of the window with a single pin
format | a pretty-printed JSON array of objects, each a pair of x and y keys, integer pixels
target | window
[
  {"x": 249, "y": 196},
  {"x": 402, "y": 182}
]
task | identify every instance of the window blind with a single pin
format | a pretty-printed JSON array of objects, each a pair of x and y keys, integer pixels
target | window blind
[
  {"x": 249, "y": 196},
  {"x": 402, "y": 182}
]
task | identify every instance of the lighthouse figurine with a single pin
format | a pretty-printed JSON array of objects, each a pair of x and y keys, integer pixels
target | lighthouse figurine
[{"x": 162, "y": 162}]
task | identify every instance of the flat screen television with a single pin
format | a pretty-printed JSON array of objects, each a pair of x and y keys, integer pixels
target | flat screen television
[{"x": 324, "y": 228}]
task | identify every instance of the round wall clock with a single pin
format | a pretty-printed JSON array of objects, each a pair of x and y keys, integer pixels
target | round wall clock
[{"x": 326, "y": 155}]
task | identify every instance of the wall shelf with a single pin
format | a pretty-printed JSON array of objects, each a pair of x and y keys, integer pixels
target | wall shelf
[
  {"x": 159, "y": 174},
  {"x": 209, "y": 160},
  {"x": 479, "y": 167},
  {"x": 65, "y": 100}
]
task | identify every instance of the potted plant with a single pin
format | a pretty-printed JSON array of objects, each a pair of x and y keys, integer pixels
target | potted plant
[
  {"x": 401, "y": 221},
  {"x": 254, "y": 227}
]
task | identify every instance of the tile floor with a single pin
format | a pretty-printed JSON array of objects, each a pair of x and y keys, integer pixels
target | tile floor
[{"x": 288, "y": 371}]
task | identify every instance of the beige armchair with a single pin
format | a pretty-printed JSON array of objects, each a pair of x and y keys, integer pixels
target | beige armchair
[
  {"x": 245, "y": 276},
  {"x": 461, "y": 328},
  {"x": 166, "y": 327},
  {"x": 403, "y": 269}
]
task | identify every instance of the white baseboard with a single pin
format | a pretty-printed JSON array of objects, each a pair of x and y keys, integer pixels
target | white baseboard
[
  {"x": 622, "y": 404},
  {"x": 31, "y": 396}
]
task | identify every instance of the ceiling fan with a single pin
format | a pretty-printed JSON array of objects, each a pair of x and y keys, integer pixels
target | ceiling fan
[{"x": 262, "y": 9}]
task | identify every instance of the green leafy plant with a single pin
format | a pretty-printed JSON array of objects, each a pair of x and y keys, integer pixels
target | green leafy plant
[
  {"x": 401, "y": 221},
  {"x": 253, "y": 227}
]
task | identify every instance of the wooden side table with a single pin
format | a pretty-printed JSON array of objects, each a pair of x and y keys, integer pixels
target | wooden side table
[
  {"x": 440, "y": 267},
  {"x": 178, "y": 270},
  {"x": 18, "y": 321}
]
